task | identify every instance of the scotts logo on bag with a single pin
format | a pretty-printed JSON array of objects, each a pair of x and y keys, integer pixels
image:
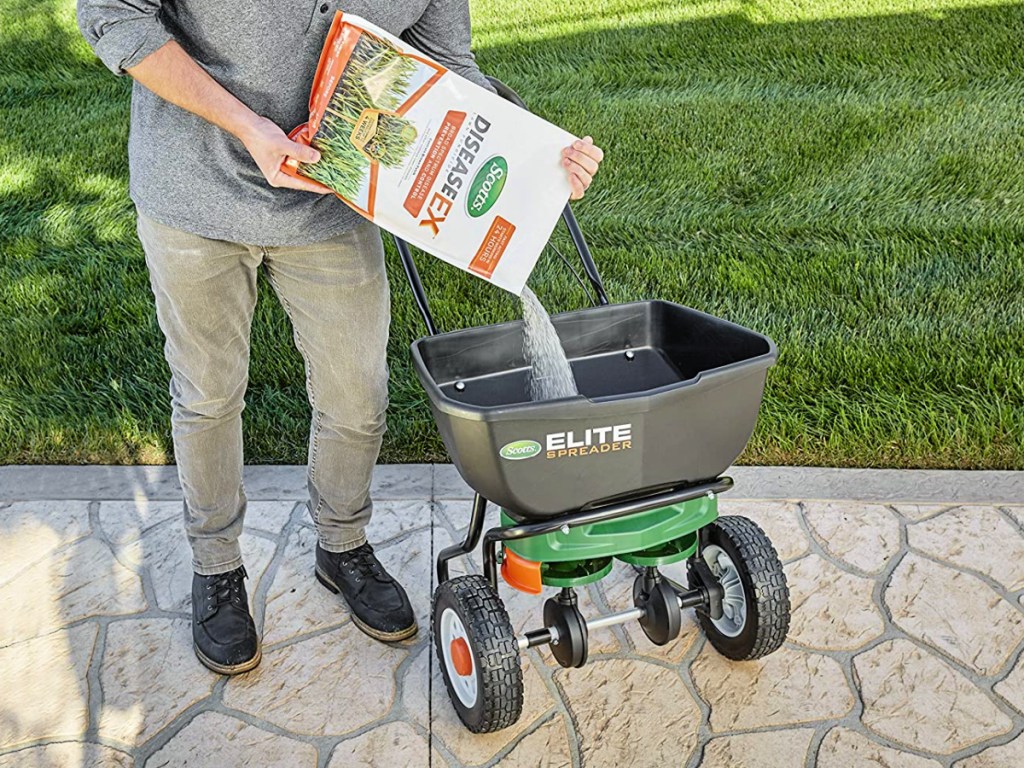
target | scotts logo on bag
[
  {"x": 520, "y": 449},
  {"x": 441, "y": 202},
  {"x": 487, "y": 186}
]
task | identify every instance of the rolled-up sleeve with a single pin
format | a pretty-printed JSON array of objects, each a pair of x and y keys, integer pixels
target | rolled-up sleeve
[
  {"x": 122, "y": 32},
  {"x": 443, "y": 33}
]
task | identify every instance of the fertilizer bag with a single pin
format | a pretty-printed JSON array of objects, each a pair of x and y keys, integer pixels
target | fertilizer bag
[{"x": 442, "y": 163}]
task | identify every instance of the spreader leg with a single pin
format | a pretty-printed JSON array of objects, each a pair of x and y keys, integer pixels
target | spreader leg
[{"x": 476, "y": 526}]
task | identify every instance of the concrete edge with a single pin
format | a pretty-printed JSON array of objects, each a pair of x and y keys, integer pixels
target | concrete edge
[{"x": 441, "y": 481}]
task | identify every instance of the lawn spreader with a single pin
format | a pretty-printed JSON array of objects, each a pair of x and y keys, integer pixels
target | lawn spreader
[{"x": 629, "y": 469}]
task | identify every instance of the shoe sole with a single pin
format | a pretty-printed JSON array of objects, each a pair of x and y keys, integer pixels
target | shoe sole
[
  {"x": 229, "y": 669},
  {"x": 376, "y": 634}
]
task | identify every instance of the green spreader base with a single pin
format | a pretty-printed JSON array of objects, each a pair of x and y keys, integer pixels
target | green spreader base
[
  {"x": 584, "y": 554},
  {"x": 663, "y": 554},
  {"x": 574, "y": 573}
]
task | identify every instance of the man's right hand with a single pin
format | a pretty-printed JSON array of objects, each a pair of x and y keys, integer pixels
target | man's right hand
[
  {"x": 174, "y": 76},
  {"x": 269, "y": 146}
]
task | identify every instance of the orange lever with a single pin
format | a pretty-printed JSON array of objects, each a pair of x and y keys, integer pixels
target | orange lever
[{"x": 520, "y": 573}]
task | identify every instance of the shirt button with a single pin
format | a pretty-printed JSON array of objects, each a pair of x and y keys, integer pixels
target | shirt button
[{"x": 325, "y": 8}]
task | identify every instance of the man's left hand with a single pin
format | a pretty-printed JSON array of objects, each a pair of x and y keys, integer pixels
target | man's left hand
[{"x": 581, "y": 161}]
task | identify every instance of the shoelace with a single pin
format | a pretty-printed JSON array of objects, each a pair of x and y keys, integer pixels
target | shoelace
[
  {"x": 226, "y": 589},
  {"x": 362, "y": 560}
]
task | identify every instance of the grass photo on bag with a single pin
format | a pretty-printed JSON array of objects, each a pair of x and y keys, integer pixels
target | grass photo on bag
[{"x": 374, "y": 83}]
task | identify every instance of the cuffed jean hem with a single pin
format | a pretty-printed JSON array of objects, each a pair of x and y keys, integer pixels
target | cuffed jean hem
[
  {"x": 328, "y": 546},
  {"x": 213, "y": 570}
]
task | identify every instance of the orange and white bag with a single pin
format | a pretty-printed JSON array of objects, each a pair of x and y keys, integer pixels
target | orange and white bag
[{"x": 442, "y": 163}]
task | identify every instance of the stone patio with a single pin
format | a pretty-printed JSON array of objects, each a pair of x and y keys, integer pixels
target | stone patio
[{"x": 905, "y": 648}]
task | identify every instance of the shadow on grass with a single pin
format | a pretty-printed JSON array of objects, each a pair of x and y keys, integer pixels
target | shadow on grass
[{"x": 850, "y": 186}]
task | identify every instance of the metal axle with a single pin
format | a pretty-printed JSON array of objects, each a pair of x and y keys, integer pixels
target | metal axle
[{"x": 546, "y": 635}]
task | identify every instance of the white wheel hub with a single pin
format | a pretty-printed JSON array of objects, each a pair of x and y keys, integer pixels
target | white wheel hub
[
  {"x": 453, "y": 633},
  {"x": 734, "y": 601}
]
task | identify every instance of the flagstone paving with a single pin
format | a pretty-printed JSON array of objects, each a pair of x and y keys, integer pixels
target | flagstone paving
[{"x": 906, "y": 647}]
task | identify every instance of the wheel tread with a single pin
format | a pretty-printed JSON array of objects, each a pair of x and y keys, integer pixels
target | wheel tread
[
  {"x": 492, "y": 637},
  {"x": 771, "y": 592}
]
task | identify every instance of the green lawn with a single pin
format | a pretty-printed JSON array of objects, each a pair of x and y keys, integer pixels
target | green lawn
[{"x": 847, "y": 178}]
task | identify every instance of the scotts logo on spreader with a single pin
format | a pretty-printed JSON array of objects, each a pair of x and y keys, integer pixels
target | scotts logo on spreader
[
  {"x": 441, "y": 202},
  {"x": 557, "y": 445},
  {"x": 487, "y": 186},
  {"x": 520, "y": 449}
]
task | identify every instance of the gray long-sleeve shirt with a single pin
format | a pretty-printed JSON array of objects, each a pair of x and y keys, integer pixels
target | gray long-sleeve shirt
[{"x": 189, "y": 174}]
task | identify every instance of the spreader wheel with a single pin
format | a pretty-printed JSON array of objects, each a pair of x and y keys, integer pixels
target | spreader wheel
[
  {"x": 755, "y": 606},
  {"x": 479, "y": 657}
]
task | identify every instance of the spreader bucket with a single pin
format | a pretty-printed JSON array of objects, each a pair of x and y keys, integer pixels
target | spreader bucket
[{"x": 668, "y": 396}]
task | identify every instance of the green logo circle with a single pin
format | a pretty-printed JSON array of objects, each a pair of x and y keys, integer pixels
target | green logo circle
[
  {"x": 520, "y": 449},
  {"x": 486, "y": 186}
]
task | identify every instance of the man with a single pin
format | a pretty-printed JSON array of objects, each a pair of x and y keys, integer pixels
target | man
[{"x": 215, "y": 84}]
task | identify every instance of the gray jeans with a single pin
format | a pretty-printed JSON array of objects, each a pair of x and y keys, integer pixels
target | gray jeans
[{"x": 336, "y": 294}]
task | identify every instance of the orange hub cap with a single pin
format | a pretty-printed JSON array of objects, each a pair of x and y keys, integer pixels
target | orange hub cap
[{"x": 461, "y": 658}]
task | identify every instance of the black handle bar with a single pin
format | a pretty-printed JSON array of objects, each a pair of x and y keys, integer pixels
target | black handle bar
[{"x": 413, "y": 275}]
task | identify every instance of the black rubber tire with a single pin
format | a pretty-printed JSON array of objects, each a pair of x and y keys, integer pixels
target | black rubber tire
[
  {"x": 492, "y": 642},
  {"x": 764, "y": 585}
]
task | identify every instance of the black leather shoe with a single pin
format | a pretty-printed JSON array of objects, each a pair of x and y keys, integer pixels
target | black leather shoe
[
  {"x": 379, "y": 604},
  {"x": 223, "y": 633}
]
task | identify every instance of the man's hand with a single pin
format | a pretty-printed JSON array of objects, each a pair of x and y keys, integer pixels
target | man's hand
[
  {"x": 269, "y": 146},
  {"x": 173, "y": 75},
  {"x": 580, "y": 162}
]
